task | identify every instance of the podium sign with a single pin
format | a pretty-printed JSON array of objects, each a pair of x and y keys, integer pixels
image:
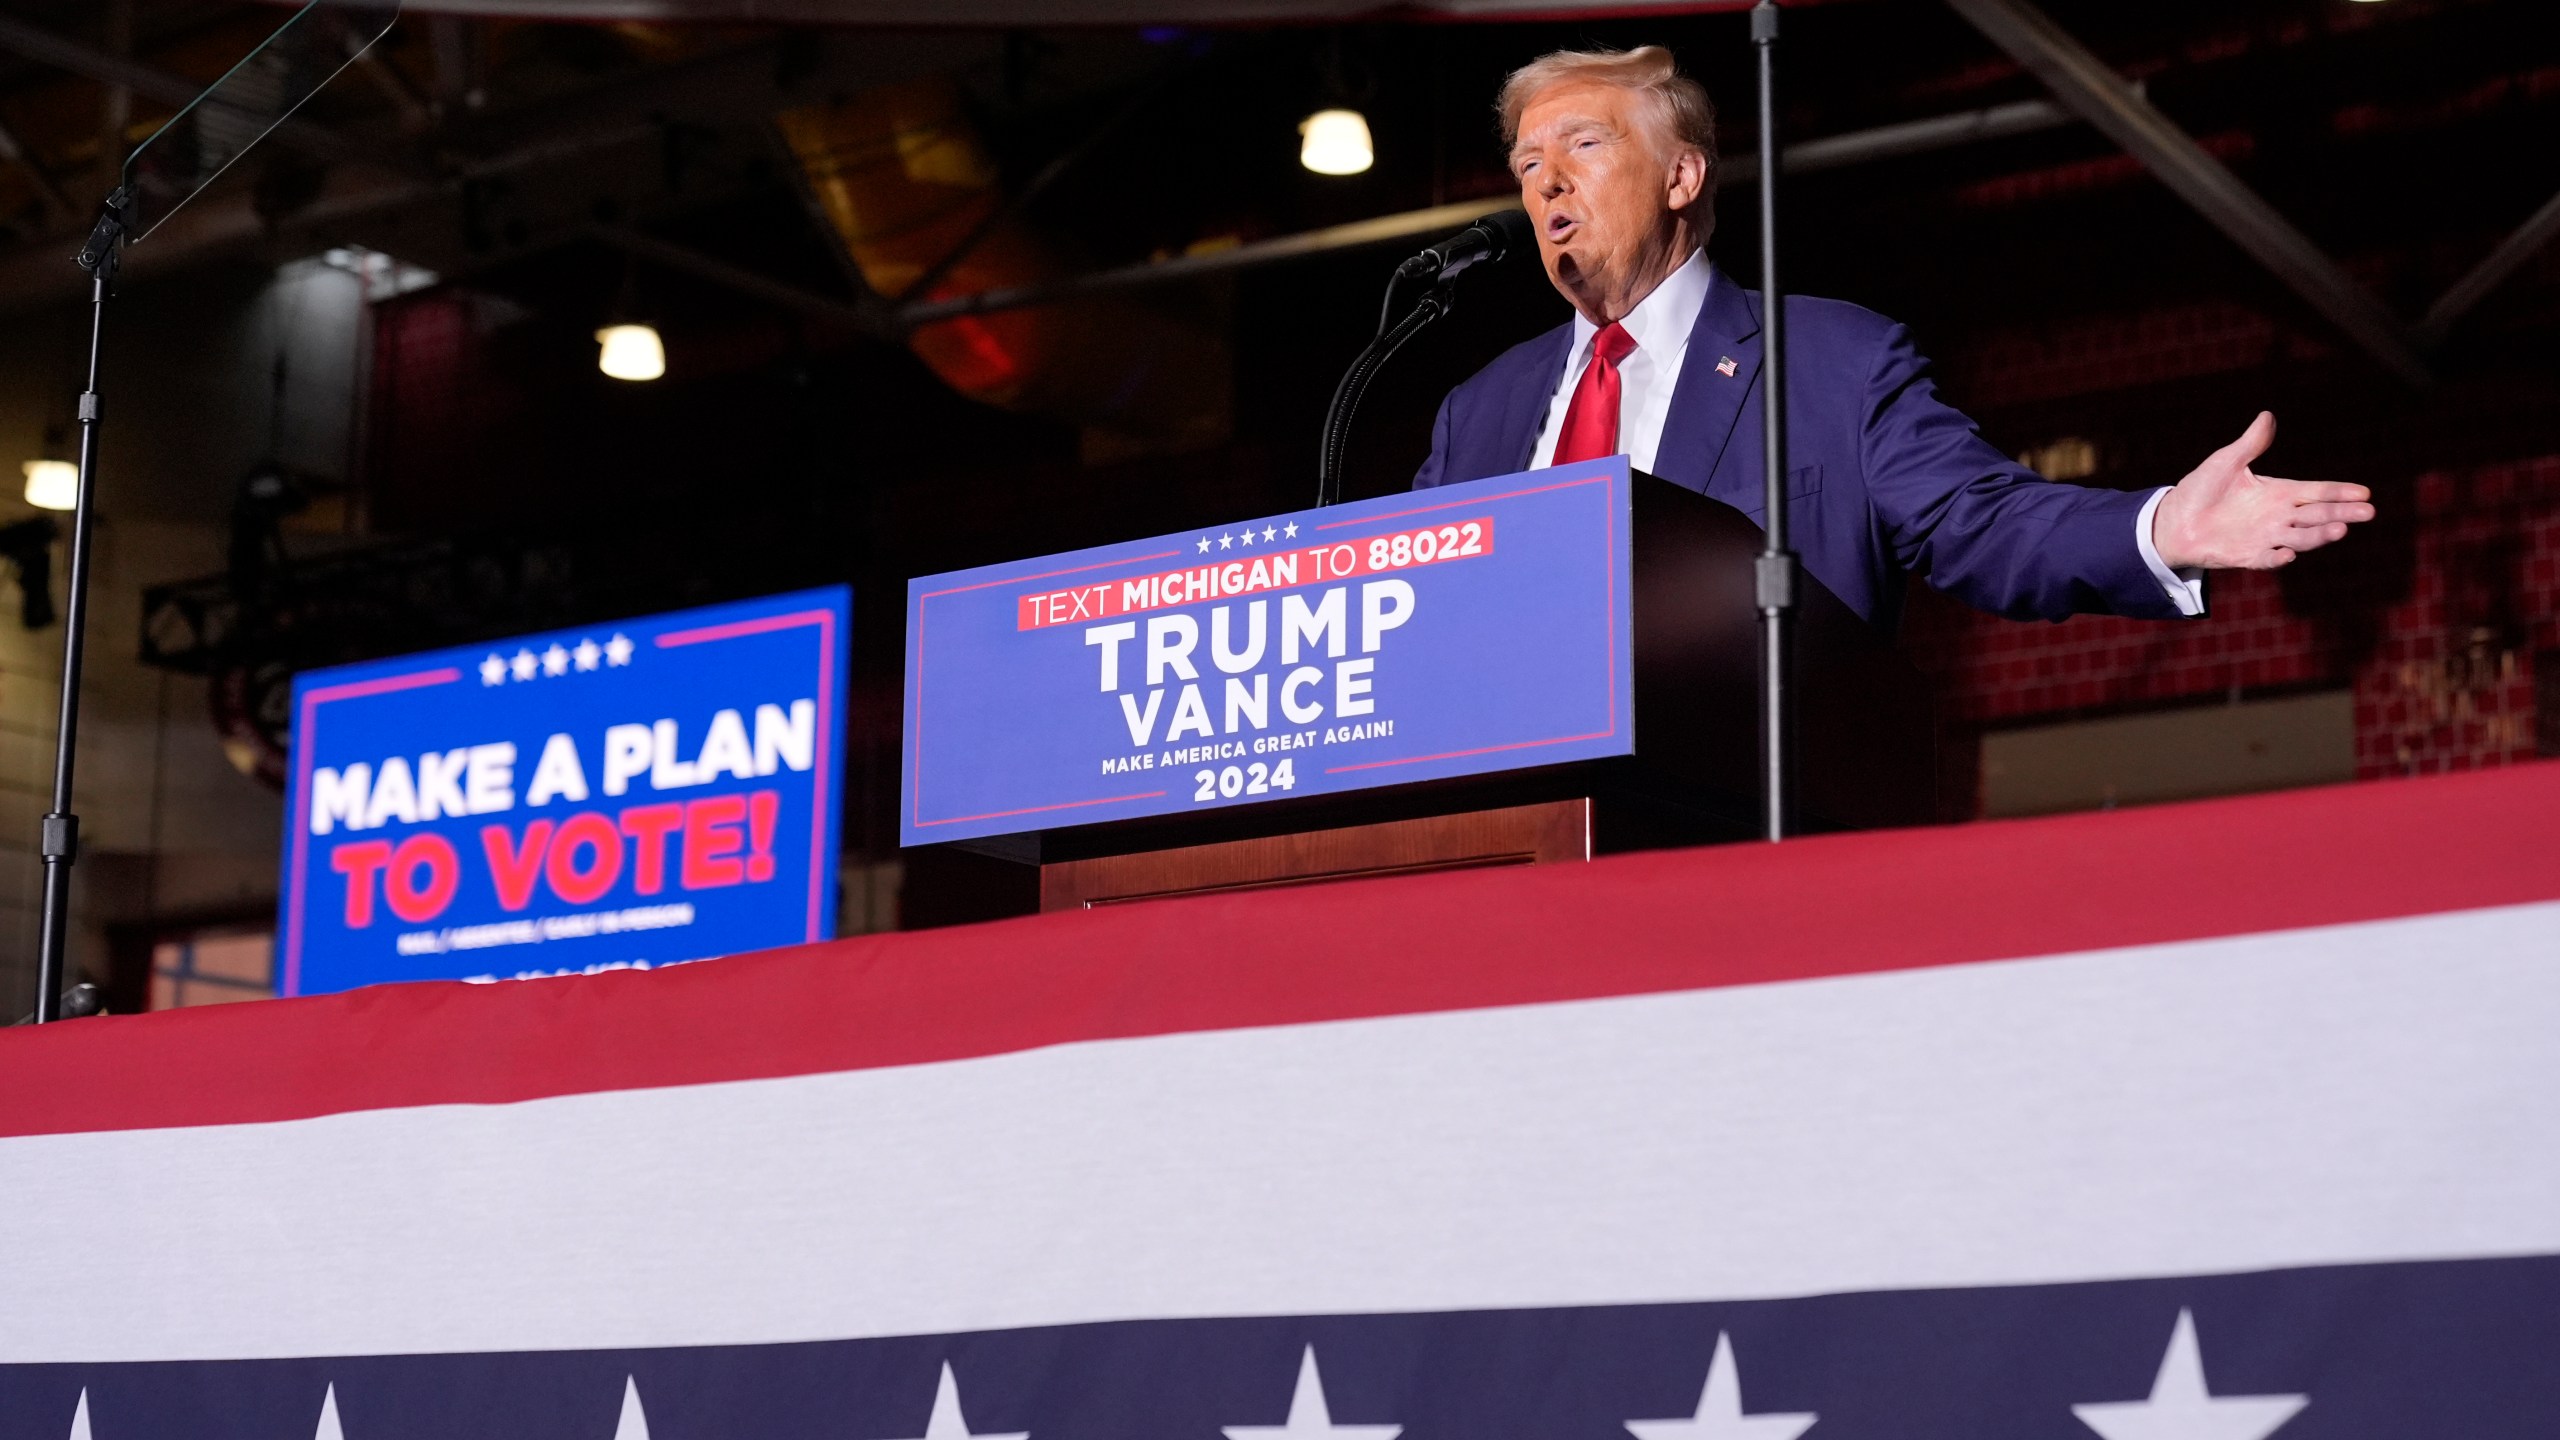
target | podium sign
[
  {"x": 1472, "y": 628},
  {"x": 636, "y": 792}
]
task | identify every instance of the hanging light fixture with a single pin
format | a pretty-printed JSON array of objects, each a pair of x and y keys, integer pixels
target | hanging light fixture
[
  {"x": 1335, "y": 139},
  {"x": 628, "y": 347},
  {"x": 628, "y": 352},
  {"x": 1336, "y": 142},
  {"x": 52, "y": 484}
]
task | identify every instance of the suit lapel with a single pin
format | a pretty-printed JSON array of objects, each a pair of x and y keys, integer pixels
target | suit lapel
[
  {"x": 1708, "y": 404},
  {"x": 1526, "y": 406}
]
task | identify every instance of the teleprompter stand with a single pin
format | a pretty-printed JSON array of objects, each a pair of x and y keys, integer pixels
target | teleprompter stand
[
  {"x": 196, "y": 146},
  {"x": 59, "y": 842}
]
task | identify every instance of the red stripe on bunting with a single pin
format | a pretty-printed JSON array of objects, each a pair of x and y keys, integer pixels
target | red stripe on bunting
[{"x": 1735, "y": 915}]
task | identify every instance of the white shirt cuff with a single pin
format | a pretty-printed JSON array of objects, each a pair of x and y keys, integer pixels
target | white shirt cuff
[{"x": 2185, "y": 587}]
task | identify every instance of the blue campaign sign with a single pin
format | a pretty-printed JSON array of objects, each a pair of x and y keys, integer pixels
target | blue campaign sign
[
  {"x": 639, "y": 792},
  {"x": 1447, "y": 632}
]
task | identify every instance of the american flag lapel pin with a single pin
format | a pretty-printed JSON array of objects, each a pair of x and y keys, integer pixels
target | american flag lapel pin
[{"x": 1725, "y": 367}]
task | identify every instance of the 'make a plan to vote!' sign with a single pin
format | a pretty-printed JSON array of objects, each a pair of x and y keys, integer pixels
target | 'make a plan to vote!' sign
[
  {"x": 1446, "y": 632},
  {"x": 638, "y": 792}
]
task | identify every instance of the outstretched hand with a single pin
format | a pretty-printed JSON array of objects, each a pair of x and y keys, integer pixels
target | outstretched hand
[{"x": 2226, "y": 516}]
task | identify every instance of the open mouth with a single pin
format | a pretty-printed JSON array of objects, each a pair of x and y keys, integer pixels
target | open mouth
[{"x": 1560, "y": 228}]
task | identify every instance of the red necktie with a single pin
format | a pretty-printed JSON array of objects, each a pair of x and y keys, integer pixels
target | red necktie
[{"x": 1591, "y": 419}]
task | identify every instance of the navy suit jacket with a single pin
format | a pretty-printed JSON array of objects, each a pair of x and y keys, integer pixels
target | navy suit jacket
[{"x": 1884, "y": 479}]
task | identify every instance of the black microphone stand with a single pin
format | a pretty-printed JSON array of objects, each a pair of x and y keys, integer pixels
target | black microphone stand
[
  {"x": 60, "y": 845},
  {"x": 1392, "y": 334},
  {"x": 1775, "y": 573}
]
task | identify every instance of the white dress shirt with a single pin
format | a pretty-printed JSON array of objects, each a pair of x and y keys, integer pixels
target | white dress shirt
[
  {"x": 1660, "y": 326},
  {"x": 1647, "y": 378}
]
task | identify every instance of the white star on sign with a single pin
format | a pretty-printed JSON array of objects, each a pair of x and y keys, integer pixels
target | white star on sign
[
  {"x": 1720, "y": 1414},
  {"x": 2180, "y": 1408},
  {"x": 588, "y": 653},
  {"x": 1309, "y": 1416},
  {"x": 1290, "y": 529},
  {"x": 1269, "y": 534},
  {"x": 1204, "y": 544},
  {"x": 634, "y": 1424},
  {"x": 1248, "y": 534},
  {"x": 493, "y": 671},
  {"x": 945, "y": 1422},
  {"x": 525, "y": 664},
  {"x": 617, "y": 651},
  {"x": 329, "y": 1428},
  {"x": 80, "y": 1418},
  {"x": 1226, "y": 542},
  {"x": 555, "y": 661}
]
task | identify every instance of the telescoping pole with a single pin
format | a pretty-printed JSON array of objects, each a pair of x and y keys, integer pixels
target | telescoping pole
[
  {"x": 60, "y": 841},
  {"x": 1776, "y": 572}
]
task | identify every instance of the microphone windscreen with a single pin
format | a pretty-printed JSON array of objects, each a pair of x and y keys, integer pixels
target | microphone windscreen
[{"x": 1511, "y": 231}]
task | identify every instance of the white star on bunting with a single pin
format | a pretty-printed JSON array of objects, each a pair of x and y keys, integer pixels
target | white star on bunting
[
  {"x": 329, "y": 1428},
  {"x": 1226, "y": 542},
  {"x": 1290, "y": 529},
  {"x": 493, "y": 671},
  {"x": 80, "y": 1418},
  {"x": 634, "y": 1424},
  {"x": 617, "y": 651},
  {"x": 587, "y": 653},
  {"x": 1720, "y": 1414},
  {"x": 2180, "y": 1408},
  {"x": 1248, "y": 534},
  {"x": 1204, "y": 544},
  {"x": 1269, "y": 534},
  {"x": 524, "y": 664},
  {"x": 555, "y": 661},
  {"x": 1309, "y": 1416},
  {"x": 945, "y": 1423}
]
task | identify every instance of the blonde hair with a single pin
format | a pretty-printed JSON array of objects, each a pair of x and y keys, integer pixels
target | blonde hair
[{"x": 1686, "y": 116}]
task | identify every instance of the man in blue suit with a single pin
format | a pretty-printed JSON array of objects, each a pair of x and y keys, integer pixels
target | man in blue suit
[{"x": 1615, "y": 154}]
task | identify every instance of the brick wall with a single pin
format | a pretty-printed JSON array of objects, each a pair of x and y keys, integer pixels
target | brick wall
[{"x": 2435, "y": 621}]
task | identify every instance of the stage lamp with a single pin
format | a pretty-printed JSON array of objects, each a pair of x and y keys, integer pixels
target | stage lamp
[
  {"x": 631, "y": 352},
  {"x": 52, "y": 484},
  {"x": 1336, "y": 143}
]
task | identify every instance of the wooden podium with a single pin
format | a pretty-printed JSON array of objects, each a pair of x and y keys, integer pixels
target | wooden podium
[{"x": 1865, "y": 727}]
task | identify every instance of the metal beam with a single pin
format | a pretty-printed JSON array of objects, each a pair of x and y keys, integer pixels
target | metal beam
[
  {"x": 738, "y": 83},
  {"x": 14, "y": 151},
  {"x": 1856, "y": 147},
  {"x": 416, "y": 113},
  {"x": 1911, "y": 137},
  {"x": 2536, "y": 232},
  {"x": 2098, "y": 95},
  {"x": 648, "y": 247},
  {"x": 46, "y": 47},
  {"x": 158, "y": 86},
  {"x": 1437, "y": 219}
]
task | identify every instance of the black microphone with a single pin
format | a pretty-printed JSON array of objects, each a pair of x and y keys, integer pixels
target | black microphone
[{"x": 1491, "y": 238}]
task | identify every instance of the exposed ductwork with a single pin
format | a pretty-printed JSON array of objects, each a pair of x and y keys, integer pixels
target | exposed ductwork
[{"x": 900, "y": 175}]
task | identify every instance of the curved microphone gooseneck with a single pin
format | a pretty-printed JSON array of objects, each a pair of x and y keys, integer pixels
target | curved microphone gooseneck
[{"x": 1490, "y": 239}]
